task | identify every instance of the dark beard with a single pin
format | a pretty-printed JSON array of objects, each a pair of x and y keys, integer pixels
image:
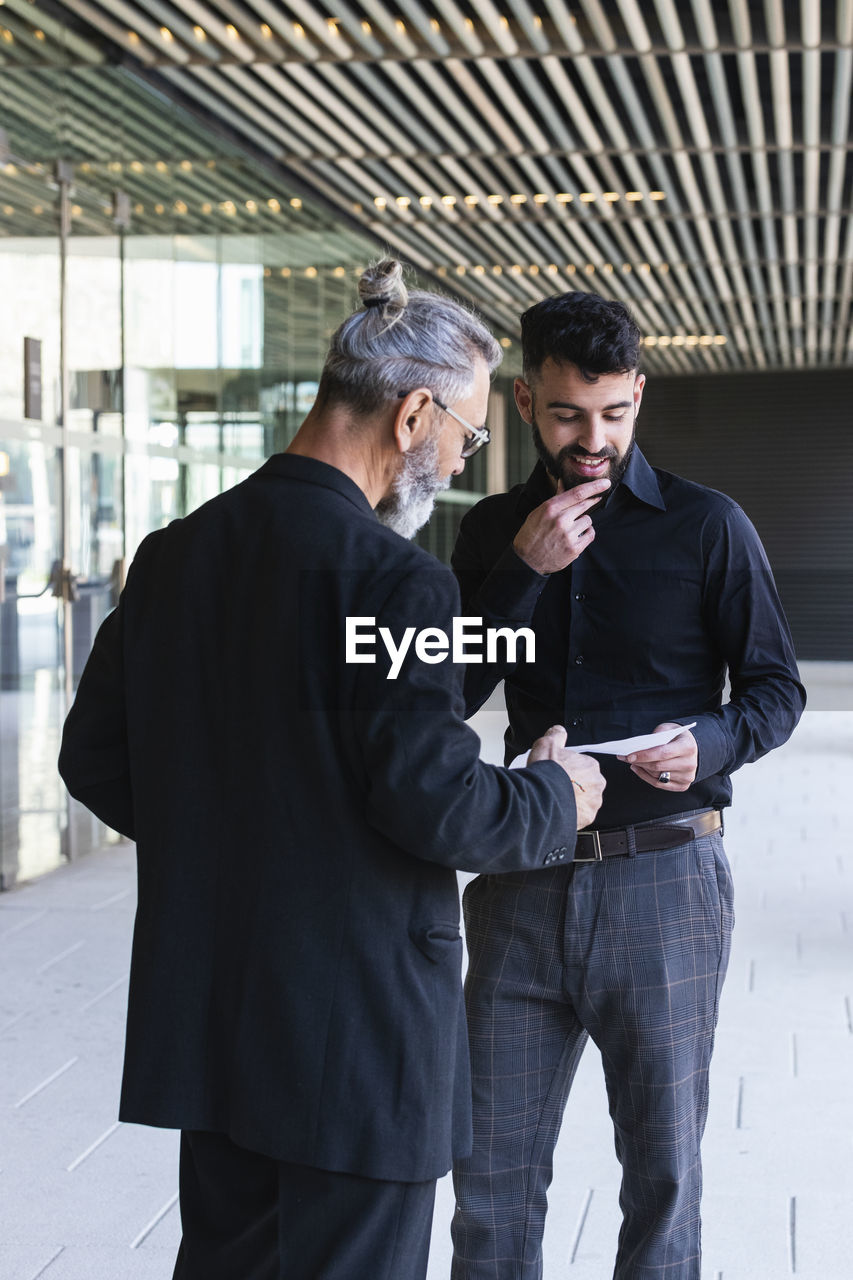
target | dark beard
[{"x": 557, "y": 465}]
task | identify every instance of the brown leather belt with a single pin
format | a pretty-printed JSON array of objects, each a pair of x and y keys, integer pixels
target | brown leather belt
[{"x": 593, "y": 846}]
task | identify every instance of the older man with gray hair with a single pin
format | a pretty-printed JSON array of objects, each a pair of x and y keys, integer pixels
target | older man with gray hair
[{"x": 295, "y": 997}]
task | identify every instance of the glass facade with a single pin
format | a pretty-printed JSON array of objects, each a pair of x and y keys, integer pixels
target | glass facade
[{"x": 186, "y": 353}]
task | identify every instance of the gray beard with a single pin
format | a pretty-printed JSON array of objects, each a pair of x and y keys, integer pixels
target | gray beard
[{"x": 410, "y": 503}]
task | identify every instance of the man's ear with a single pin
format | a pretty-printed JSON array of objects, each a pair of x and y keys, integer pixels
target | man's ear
[
  {"x": 413, "y": 419},
  {"x": 524, "y": 400},
  {"x": 639, "y": 383}
]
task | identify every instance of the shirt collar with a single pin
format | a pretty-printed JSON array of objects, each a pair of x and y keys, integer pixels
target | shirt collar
[
  {"x": 639, "y": 479},
  {"x": 296, "y": 466}
]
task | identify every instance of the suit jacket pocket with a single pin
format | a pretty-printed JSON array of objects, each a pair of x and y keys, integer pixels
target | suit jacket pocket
[{"x": 439, "y": 941}]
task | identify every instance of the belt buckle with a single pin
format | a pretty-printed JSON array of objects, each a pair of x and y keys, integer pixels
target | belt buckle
[{"x": 597, "y": 855}]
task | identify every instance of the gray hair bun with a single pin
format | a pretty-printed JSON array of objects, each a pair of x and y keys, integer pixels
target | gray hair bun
[{"x": 382, "y": 285}]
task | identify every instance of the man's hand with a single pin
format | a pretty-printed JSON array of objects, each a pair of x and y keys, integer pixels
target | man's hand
[
  {"x": 557, "y": 532},
  {"x": 677, "y": 758},
  {"x": 583, "y": 771}
]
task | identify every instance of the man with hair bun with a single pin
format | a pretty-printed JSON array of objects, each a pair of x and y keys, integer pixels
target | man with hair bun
[
  {"x": 640, "y": 607},
  {"x": 295, "y": 1002}
]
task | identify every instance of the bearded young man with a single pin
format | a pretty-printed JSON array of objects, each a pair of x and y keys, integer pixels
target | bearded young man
[
  {"x": 641, "y": 606},
  {"x": 295, "y": 1001}
]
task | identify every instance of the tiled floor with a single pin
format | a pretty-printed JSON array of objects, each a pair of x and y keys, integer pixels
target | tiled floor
[{"x": 82, "y": 1198}]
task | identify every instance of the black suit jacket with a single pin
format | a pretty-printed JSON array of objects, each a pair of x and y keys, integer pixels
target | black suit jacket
[{"x": 295, "y": 979}]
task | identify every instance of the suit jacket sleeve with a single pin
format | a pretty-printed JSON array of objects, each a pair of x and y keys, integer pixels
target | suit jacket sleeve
[
  {"x": 93, "y": 759},
  {"x": 426, "y": 788}
]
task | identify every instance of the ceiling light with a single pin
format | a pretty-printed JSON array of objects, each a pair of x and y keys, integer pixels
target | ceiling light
[
  {"x": 720, "y": 339},
  {"x": 166, "y": 34},
  {"x": 571, "y": 268},
  {"x": 479, "y": 269},
  {"x": 678, "y": 339},
  {"x": 252, "y": 206},
  {"x": 506, "y": 343},
  {"x": 180, "y": 207},
  {"x": 442, "y": 271},
  {"x": 608, "y": 266},
  {"x": 664, "y": 340},
  {"x": 540, "y": 198},
  {"x": 266, "y": 31},
  {"x": 518, "y": 199},
  {"x": 426, "y": 201},
  {"x": 553, "y": 268},
  {"x": 295, "y": 202},
  {"x": 39, "y": 34},
  {"x": 587, "y": 197},
  {"x": 663, "y": 267},
  {"x": 285, "y": 273},
  {"x": 692, "y": 340},
  {"x": 657, "y": 195},
  {"x": 460, "y": 269},
  {"x": 366, "y": 28},
  {"x": 626, "y": 267},
  {"x": 132, "y": 37},
  {"x": 274, "y": 205},
  {"x": 590, "y": 268},
  {"x": 497, "y": 269},
  {"x": 610, "y": 196},
  {"x": 495, "y": 199},
  {"x": 633, "y": 195},
  {"x": 448, "y": 200},
  {"x": 207, "y": 207},
  {"x": 472, "y": 200},
  {"x": 517, "y": 268},
  {"x": 404, "y": 201},
  {"x": 311, "y": 272},
  {"x": 650, "y": 341},
  {"x": 435, "y": 24},
  {"x": 332, "y": 24},
  {"x": 564, "y": 197},
  {"x": 39, "y": 209},
  {"x": 187, "y": 165},
  {"x": 137, "y": 166},
  {"x": 159, "y": 208},
  {"x": 232, "y": 31},
  {"x": 161, "y": 166},
  {"x": 139, "y": 208},
  {"x": 401, "y": 26},
  {"x": 339, "y": 271},
  {"x": 299, "y": 30},
  {"x": 705, "y": 340},
  {"x": 199, "y": 33},
  {"x": 380, "y": 202}
]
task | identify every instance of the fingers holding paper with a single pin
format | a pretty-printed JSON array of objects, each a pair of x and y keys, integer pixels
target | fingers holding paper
[
  {"x": 670, "y": 766},
  {"x": 584, "y": 772}
]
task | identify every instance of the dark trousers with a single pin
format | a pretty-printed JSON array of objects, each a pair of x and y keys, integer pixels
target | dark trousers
[
  {"x": 248, "y": 1217},
  {"x": 632, "y": 952}
]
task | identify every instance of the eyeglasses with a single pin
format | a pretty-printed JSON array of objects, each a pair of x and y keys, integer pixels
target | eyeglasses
[{"x": 476, "y": 437}]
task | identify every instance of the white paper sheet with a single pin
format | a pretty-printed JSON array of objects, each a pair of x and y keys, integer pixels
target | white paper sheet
[{"x": 619, "y": 746}]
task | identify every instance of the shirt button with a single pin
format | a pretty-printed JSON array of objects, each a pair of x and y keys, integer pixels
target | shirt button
[
  {"x": 580, "y": 595},
  {"x": 578, "y": 720},
  {"x": 579, "y": 660}
]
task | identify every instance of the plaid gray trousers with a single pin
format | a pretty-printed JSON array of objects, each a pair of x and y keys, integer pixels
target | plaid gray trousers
[{"x": 631, "y": 951}]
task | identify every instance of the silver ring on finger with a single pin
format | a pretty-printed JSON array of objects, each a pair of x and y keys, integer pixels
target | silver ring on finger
[{"x": 664, "y": 777}]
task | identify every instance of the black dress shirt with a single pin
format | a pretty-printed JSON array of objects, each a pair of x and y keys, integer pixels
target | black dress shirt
[{"x": 674, "y": 594}]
